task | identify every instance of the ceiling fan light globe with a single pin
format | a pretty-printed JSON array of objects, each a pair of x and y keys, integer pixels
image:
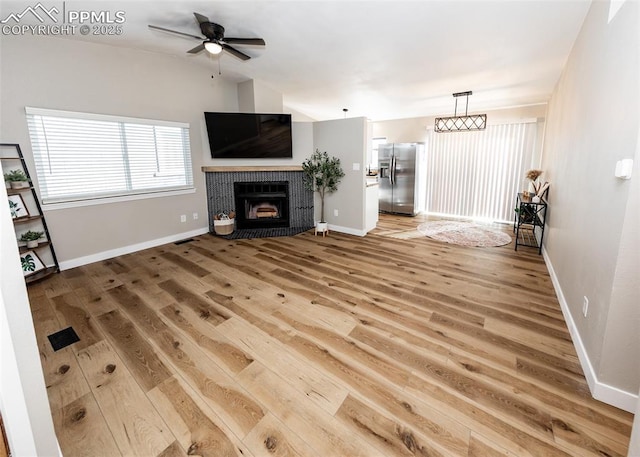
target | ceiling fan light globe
[{"x": 212, "y": 47}]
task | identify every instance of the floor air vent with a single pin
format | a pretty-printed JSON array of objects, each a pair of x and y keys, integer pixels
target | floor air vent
[{"x": 63, "y": 338}]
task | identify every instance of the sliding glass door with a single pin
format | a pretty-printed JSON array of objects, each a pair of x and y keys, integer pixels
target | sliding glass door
[{"x": 477, "y": 174}]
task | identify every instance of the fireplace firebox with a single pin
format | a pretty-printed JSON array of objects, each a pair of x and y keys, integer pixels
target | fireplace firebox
[{"x": 261, "y": 204}]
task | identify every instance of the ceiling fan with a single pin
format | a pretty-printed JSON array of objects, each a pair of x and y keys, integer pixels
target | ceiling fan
[{"x": 214, "y": 40}]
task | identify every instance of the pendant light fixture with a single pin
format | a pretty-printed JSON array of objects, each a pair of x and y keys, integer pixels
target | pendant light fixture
[{"x": 464, "y": 123}]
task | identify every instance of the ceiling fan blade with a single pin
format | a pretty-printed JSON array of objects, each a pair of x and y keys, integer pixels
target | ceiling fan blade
[
  {"x": 235, "y": 52},
  {"x": 155, "y": 27},
  {"x": 200, "y": 18},
  {"x": 254, "y": 41},
  {"x": 197, "y": 49}
]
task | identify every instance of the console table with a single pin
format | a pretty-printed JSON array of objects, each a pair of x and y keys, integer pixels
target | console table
[{"x": 529, "y": 220}]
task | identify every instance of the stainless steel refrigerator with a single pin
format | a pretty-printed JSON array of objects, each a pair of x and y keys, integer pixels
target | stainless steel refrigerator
[{"x": 397, "y": 177}]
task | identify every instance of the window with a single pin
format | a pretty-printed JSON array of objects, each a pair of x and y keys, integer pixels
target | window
[{"x": 86, "y": 158}]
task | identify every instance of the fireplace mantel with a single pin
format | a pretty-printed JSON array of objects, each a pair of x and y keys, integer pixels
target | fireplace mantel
[{"x": 210, "y": 169}]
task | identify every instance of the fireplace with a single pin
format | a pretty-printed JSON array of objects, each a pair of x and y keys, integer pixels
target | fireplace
[
  {"x": 221, "y": 197},
  {"x": 261, "y": 204}
]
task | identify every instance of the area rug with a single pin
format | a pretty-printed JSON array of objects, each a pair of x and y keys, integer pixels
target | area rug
[{"x": 464, "y": 233}]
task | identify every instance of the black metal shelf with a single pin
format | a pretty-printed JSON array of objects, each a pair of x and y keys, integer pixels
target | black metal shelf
[
  {"x": 529, "y": 220},
  {"x": 18, "y": 191},
  {"x": 48, "y": 271},
  {"x": 37, "y": 216},
  {"x": 41, "y": 245},
  {"x": 22, "y": 220}
]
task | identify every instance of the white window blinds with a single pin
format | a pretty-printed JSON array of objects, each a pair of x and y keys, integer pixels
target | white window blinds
[
  {"x": 477, "y": 174},
  {"x": 84, "y": 157}
]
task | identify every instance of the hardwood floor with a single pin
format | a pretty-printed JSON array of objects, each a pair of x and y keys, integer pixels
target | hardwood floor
[{"x": 336, "y": 346}]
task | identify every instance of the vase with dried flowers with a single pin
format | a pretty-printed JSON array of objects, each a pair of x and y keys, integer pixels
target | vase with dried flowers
[{"x": 533, "y": 175}]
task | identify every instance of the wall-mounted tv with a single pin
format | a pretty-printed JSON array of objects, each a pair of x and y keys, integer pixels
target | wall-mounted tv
[{"x": 249, "y": 136}]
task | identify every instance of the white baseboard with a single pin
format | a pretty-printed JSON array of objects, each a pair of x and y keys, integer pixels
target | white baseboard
[
  {"x": 599, "y": 390},
  {"x": 347, "y": 230},
  {"x": 99, "y": 256}
]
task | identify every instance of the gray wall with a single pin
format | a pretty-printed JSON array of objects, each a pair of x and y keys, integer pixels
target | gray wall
[
  {"x": 345, "y": 139},
  {"x": 255, "y": 97},
  {"x": 593, "y": 241}
]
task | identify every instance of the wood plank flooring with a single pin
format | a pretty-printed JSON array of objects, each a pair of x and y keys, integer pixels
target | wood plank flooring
[{"x": 387, "y": 345}]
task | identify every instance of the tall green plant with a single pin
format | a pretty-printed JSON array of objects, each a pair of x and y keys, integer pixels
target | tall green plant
[{"x": 322, "y": 174}]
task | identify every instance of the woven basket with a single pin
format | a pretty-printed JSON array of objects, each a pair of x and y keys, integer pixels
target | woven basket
[{"x": 224, "y": 226}]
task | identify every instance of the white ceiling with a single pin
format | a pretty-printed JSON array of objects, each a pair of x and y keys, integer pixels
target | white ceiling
[{"x": 380, "y": 59}]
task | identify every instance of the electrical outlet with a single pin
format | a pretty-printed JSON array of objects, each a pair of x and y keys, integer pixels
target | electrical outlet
[
  {"x": 183, "y": 218},
  {"x": 195, "y": 216},
  {"x": 335, "y": 212},
  {"x": 585, "y": 306}
]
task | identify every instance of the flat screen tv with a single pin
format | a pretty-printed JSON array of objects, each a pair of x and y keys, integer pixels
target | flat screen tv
[{"x": 249, "y": 136}]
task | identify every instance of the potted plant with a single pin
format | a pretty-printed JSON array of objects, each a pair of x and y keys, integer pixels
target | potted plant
[
  {"x": 17, "y": 179},
  {"x": 31, "y": 238},
  {"x": 322, "y": 174}
]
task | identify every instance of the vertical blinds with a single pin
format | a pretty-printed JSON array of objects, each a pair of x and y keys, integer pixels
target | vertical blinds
[
  {"x": 477, "y": 174},
  {"x": 81, "y": 156}
]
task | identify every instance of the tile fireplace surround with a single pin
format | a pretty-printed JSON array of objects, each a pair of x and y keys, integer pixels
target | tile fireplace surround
[{"x": 219, "y": 182}]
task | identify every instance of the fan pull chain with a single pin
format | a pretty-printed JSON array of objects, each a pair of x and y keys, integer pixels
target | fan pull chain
[{"x": 219, "y": 70}]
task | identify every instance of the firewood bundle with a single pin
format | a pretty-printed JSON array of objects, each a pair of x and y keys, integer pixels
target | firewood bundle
[{"x": 266, "y": 212}]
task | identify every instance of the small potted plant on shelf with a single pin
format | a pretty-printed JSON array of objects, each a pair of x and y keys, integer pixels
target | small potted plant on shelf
[
  {"x": 17, "y": 179},
  {"x": 31, "y": 238},
  {"x": 322, "y": 174}
]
